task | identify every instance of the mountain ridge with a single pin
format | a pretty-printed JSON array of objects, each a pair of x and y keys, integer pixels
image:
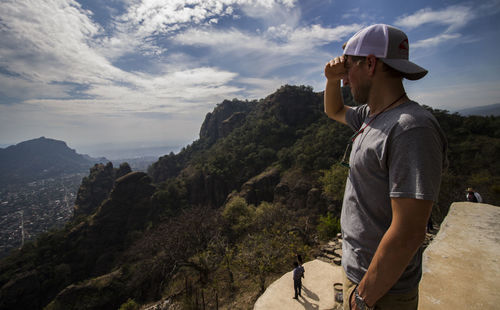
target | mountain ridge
[{"x": 41, "y": 158}]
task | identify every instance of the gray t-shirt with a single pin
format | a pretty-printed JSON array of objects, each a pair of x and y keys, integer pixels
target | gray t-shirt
[{"x": 400, "y": 154}]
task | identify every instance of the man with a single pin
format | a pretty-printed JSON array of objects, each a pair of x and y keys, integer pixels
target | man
[
  {"x": 298, "y": 274},
  {"x": 473, "y": 196},
  {"x": 398, "y": 153}
]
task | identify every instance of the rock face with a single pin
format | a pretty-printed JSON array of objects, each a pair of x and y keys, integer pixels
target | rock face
[
  {"x": 294, "y": 106},
  {"x": 128, "y": 209},
  {"x": 225, "y": 118},
  {"x": 96, "y": 187},
  {"x": 295, "y": 191},
  {"x": 261, "y": 187}
]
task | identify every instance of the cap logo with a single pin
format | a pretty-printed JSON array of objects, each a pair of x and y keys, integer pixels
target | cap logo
[{"x": 404, "y": 48}]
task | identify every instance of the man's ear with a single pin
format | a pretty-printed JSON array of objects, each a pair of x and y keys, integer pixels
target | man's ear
[{"x": 371, "y": 62}]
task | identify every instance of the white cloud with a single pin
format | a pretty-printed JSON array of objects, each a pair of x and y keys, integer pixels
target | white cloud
[
  {"x": 453, "y": 17},
  {"x": 279, "y": 48},
  {"x": 280, "y": 41},
  {"x": 51, "y": 47},
  {"x": 434, "y": 41},
  {"x": 47, "y": 41},
  {"x": 163, "y": 17}
]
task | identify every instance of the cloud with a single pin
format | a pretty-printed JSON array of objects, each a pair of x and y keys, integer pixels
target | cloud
[
  {"x": 277, "y": 47},
  {"x": 53, "y": 48},
  {"x": 62, "y": 67},
  {"x": 434, "y": 41},
  {"x": 145, "y": 19},
  {"x": 48, "y": 40},
  {"x": 453, "y": 17}
]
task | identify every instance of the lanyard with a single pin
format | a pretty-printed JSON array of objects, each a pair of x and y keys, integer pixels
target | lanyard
[{"x": 357, "y": 133}]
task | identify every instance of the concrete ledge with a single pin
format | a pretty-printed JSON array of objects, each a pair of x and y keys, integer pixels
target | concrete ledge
[
  {"x": 317, "y": 289},
  {"x": 461, "y": 268}
]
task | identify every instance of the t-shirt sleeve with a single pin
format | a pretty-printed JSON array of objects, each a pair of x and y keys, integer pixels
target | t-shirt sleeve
[
  {"x": 356, "y": 115},
  {"x": 415, "y": 164}
]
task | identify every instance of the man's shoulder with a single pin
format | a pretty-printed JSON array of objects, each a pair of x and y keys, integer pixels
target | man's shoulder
[{"x": 412, "y": 115}]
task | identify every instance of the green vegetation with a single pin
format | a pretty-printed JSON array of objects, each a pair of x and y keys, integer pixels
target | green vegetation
[
  {"x": 328, "y": 227},
  {"x": 228, "y": 214},
  {"x": 130, "y": 305}
]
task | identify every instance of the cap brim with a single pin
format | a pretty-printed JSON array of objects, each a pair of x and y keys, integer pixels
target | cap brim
[{"x": 408, "y": 69}]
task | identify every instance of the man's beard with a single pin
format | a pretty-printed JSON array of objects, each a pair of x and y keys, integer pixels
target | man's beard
[{"x": 362, "y": 92}]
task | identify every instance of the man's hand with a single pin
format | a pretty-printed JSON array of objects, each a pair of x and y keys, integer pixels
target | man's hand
[{"x": 334, "y": 69}]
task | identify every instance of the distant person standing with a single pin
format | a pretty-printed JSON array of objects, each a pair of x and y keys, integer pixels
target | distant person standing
[
  {"x": 398, "y": 151},
  {"x": 298, "y": 274},
  {"x": 473, "y": 196}
]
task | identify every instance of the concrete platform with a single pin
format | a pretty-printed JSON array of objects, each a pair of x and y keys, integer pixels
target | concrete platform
[
  {"x": 461, "y": 268},
  {"x": 317, "y": 289}
]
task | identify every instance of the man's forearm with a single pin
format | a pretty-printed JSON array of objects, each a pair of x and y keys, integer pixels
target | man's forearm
[
  {"x": 333, "y": 98},
  {"x": 390, "y": 260}
]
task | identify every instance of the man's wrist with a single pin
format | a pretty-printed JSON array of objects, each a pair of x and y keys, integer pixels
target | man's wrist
[{"x": 360, "y": 301}]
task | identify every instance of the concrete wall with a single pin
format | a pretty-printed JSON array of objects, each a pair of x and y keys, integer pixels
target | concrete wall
[{"x": 461, "y": 268}]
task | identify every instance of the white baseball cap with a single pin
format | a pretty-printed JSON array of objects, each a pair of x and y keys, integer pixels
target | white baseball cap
[{"x": 387, "y": 43}]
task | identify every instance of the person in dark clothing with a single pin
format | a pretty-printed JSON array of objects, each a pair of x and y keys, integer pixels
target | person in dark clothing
[
  {"x": 298, "y": 274},
  {"x": 473, "y": 196}
]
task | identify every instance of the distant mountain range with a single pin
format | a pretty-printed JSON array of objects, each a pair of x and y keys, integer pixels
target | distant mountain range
[
  {"x": 41, "y": 158},
  {"x": 486, "y": 110}
]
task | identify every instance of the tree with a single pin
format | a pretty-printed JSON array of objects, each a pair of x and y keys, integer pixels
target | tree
[{"x": 333, "y": 182}]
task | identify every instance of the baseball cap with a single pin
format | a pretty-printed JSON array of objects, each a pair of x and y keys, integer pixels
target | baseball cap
[{"x": 387, "y": 43}]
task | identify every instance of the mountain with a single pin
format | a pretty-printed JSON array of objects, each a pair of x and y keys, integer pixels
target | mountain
[
  {"x": 220, "y": 220},
  {"x": 487, "y": 110},
  {"x": 39, "y": 159}
]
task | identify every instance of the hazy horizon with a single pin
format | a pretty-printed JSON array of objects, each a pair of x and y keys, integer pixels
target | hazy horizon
[{"x": 115, "y": 151}]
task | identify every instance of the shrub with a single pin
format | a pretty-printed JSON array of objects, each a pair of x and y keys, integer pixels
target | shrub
[
  {"x": 328, "y": 227},
  {"x": 129, "y": 305}
]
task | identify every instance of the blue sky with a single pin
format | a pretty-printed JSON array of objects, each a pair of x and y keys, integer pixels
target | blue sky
[{"x": 146, "y": 72}]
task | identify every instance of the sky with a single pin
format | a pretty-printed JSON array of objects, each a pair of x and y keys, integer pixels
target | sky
[{"x": 144, "y": 73}]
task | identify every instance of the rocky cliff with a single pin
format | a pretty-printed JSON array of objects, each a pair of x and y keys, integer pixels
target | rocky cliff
[{"x": 96, "y": 187}]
